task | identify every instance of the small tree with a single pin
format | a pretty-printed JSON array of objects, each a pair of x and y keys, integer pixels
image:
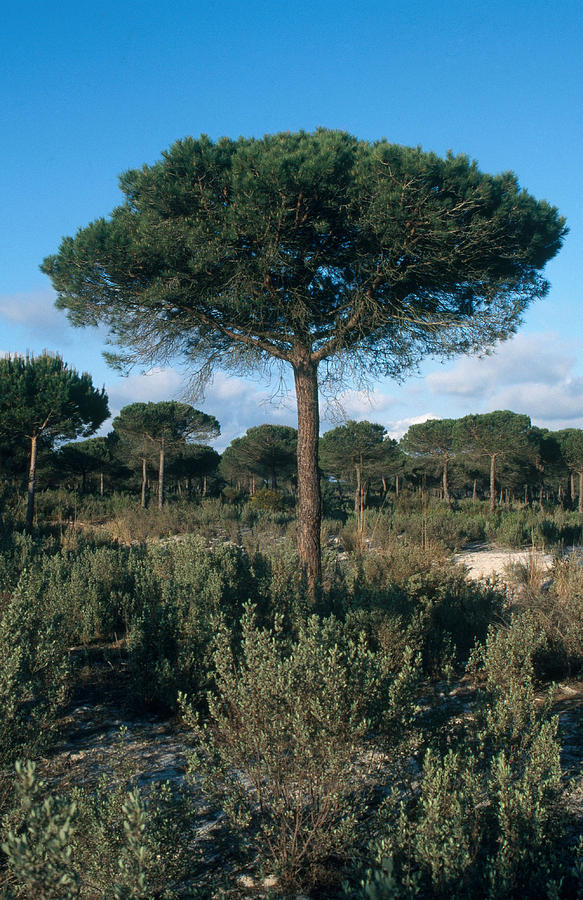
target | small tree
[
  {"x": 162, "y": 427},
  {"x": 432, "y": 440},
  {"x": 353, "y": 449},
  {"x": 86, "y": 457},
  {"x": 496, "y": 436},
  {"x": 303, "y": 249},
  {"x": 268, "y": 451},
  {"x": 44, "y": 400},
  {"x": 571, "y": 444}
]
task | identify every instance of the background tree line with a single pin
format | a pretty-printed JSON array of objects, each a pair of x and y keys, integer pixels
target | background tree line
[{"x": 161, "y": 449}]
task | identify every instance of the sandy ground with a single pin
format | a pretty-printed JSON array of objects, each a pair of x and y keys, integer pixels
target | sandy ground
[{"x": 488, "y": 562}]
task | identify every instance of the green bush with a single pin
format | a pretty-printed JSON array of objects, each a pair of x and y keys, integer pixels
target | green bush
[
  {"x": 438, "y": 611},
  {"x": 285, "y": 752},
  {"x": 485, "y": 819},
  {"x": 180, "y": 590},
  {"x": 34, "y": 671},
  {"x": 111, "y": 844}
]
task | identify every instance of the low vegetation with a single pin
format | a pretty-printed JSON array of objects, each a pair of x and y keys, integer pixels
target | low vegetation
[{"x": 390, "y": 741}]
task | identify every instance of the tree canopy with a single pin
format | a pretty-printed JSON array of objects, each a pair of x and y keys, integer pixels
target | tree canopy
[
  {"x": 304, "y": 248},
  {"x": 43, "y": 399},
  {"x": 495, "y": 436},
  {"x": 432, "y": 440},
  {"x": 156, "y": 428}
]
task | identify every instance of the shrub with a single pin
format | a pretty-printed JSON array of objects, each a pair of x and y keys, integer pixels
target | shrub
[
  {"x": 484, "y": 821},
  {"x": 181, "y": 588},
  {"x": 112, "y": 844},
  {"x": 285, "y": 750},
  {"x": 438, "y": 611},
  {"x": 34, "y": 671}
]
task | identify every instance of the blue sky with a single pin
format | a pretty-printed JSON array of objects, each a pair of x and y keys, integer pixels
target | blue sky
[{"x": 91, "y": 90}]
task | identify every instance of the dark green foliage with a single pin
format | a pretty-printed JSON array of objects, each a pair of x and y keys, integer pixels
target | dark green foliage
[
  {"x": 432, "y": 442},
  {"x": 356, "y": 452},
  {"x": 300, "y": 248},
  {"x": 84, "y": 458},
  {"x": 42, "y": 396},
  {"x": 497, "y": 438},
  {"x": 333, "y": 239},
  {"x": 267, "y": 452},
  {"x": 43, "y": 401}
]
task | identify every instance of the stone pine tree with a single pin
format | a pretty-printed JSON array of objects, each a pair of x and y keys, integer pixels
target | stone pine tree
[
  {"x": 95, "y": 455},
  {"x": 571, "y": 443},
  {"x": 329, "y": 255},
  {"x": 353, "y": 449},
  {"x": 432, "y": 440},
  {"x": 160, "y": 428},
  {"x": 197, "y": 461},
  {"x": 499, "y": 436},
  {"x": 45, "y": 401}
]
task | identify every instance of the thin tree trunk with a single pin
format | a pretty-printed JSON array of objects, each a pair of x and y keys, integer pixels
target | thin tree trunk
[
  {"x": 309, "y": 498},
  {"x": 492, "y": 482},
  {"x": 101, "y": 485},
  {"x": 204, "y": 486},
  {"x": 446, "y": 496},
  {"x": 357, "y": 493},
  {"x": 31, "y": 483},
  {"x": 144, "y": 483},
  {"x": 581, "y": 491},
  {"x": 572, "y": 486},
  {"x": 475, "y": 491},
  {"x": 396, "y": 485},
  {"x": 161, "y": 479}
]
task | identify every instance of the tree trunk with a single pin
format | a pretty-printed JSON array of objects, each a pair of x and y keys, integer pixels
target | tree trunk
[
  {"x": 475, "y": 491},
  {"x": 572, "y": 487},
  {"x": 161, "y": 479},
  {"x": 309, "y": 498},
  {"x": 396, "y": 485},
  {"x": 581, "y": 491},
  {"x": 101, "y": 485},
  {"x": 446, "y": 496},
  {"x": 144, "y": 483},
  {"x": 358, "y": 492},
  {"x": 492, "y": 482},
  {"x": 204, "y": 485},
  {"x": 31, "y": 483}
]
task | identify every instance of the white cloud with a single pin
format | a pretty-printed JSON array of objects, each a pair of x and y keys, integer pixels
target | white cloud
[
  {"x": 397, "y": 429},
  {"x": 373, "y": 405},
  {"x": 531, "y": 373},
  {"x": 237, "y": 403},
  {"x": 35, "y": 312},
  {"x": 155, "y": 385}
]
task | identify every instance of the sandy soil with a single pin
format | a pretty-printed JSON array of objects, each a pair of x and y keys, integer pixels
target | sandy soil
[{"x": 489, "y": 562}]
